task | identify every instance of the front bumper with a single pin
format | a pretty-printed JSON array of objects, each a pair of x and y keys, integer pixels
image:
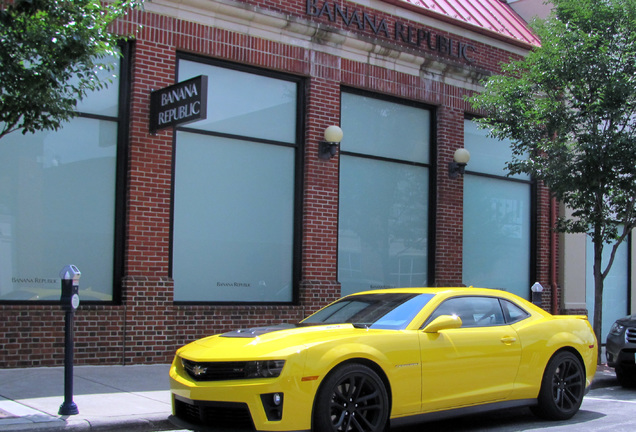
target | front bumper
[
  {"x": 620, "y": 351},
  {"x": 242, "y": 405},
  {"x": 210, "y": 416},
  {"x": 625, "y": 357}
]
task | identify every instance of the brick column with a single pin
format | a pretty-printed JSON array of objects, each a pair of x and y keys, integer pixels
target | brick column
[
  {"x": 320, "y": 208},
  {"x": 450, "y": 200},
  {"x": 147, "y": 289}
]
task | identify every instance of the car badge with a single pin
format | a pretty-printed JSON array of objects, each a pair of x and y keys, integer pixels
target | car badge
[{"x": 199, "y": 370}]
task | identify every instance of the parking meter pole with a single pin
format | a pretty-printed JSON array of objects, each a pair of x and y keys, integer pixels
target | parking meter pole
[
  {"x": 68, "y": 407},
  {"x": 70, "y": 301}
]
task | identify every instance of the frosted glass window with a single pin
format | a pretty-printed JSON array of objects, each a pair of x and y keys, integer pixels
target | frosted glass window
[
  {"x": 496, "y": 242},
  {"x": 376, "y": 127},
  {"x": 233, "y": 220},
  {"x": 487, "y": 155},
  {"x": 383, "y": 234},
  {"x": 383, "y": 220},
  {"x": 104, "y": 102},
  {"x": 615, "y": 288},
  {"x": 234, "y": 191},
  {"x": 245, "y": 104},
  {"x": 57, "y": 198}
]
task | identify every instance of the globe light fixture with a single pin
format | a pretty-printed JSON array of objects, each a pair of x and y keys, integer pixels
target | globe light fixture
[
  {"x": 458, "y": 165},
  {"x": 329, "y": 147}
]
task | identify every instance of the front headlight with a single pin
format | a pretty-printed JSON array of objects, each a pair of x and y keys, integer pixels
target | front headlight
[
  {"x": 264, "y": 369},
  {"x": 617, "y": 329}
]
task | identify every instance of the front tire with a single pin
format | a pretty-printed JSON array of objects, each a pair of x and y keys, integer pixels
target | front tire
[
  {"x": 352, "y": 398},
  {"x": 562, "y": 388}
]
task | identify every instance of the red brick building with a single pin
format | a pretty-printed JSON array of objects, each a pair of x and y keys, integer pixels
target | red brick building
[{"x": 235, "y": 220}]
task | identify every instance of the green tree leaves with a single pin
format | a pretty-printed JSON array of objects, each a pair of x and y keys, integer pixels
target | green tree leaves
[
  {"x": 571, "y": 105},
  {"x": 52, "y": 54},
  {"x": 570, "y": 109}
]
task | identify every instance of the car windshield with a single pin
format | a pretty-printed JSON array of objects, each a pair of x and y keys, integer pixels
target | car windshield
[{"x": 377, "y": 311}]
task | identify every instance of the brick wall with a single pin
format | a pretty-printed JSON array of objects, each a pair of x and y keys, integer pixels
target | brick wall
[{"x": 147, "y": 327}]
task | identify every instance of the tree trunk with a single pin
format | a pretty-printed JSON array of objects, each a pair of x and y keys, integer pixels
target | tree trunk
[{"x": 597, "y": 322}]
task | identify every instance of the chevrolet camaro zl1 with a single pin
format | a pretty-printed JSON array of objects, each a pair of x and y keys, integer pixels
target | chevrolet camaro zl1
[{"x": 387, "y": 357}]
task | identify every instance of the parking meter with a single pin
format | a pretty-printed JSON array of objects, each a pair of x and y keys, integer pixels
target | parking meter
[
  {"x": 537, "y": 293},
  {"x": 70, "y": 276},
  {"x": 69, "y": 299}
]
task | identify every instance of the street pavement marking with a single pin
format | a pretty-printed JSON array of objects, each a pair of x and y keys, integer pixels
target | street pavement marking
[{"x": 608, "y": 400}]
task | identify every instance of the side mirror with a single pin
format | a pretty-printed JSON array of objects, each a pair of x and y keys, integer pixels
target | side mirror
[{"x": 443, "y": 322}]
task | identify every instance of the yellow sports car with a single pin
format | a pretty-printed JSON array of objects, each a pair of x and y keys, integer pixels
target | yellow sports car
[{"x": 383, "y": 358}]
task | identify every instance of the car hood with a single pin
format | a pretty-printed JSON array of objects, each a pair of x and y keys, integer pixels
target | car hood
[
  {"x": 627, "y": 321},
  {"x": 277, "y": 341},
  {"x": 254, "y": 332}
]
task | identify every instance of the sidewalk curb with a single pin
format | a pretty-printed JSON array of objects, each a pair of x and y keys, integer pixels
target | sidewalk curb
[{"x": 157, "y": 423}]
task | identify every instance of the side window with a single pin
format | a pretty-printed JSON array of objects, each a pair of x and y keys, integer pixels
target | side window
[
  {"x": 513, "y": 312},
  {"x": 473, "y": 311}
]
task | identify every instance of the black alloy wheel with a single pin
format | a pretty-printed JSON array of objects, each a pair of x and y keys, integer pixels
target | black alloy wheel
[
  {"x": 352, "y": 398},
  {"x": 562, "y": 387}
]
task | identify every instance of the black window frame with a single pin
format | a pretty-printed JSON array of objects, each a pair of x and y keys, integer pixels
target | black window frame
[
  {"x": 121, "y": 183},
  {"x": 299, "y": 146},
  {"x": 431, "y": 166},
  {"x": 532, "y": 274}
]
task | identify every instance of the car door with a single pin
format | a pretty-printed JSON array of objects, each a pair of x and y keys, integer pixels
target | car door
[{"x": 476, "y": 363}]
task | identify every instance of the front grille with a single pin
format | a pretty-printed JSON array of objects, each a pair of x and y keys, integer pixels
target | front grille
[
  {"x": 630, "y": 335},
  {"x": 215, "y": 415},
  {"x": 215, "y": 371}
]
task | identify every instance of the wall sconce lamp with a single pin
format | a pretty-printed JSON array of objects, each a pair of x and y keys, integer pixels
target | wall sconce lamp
[
  {"x": 328, "y": 148},
  {"x": 457, "y": 166}
]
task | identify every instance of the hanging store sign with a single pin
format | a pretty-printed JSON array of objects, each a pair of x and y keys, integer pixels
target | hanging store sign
[
  {"x": 181, "y": 103},
  {"x": 418, "y": 37}
]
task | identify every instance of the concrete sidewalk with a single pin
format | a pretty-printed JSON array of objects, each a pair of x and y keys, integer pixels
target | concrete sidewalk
[
  {"x": 107, "y": 397},
  {"x": 124, "y": 398}
]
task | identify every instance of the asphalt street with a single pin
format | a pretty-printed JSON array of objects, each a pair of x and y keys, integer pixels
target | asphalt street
[
  {"x": 136, "y": 398},
  {"x": 610, "y": 408}
]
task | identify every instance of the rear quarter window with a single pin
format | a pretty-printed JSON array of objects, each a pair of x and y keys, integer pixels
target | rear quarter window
[{"x": 512, "y": 312}]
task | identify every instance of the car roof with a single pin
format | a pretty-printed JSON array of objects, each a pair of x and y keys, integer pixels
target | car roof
[
  {"x": 442, "y": 290},
  {"x": 445, "y": 292}
]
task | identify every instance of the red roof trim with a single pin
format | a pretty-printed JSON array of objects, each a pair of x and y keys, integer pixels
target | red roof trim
[{"x": 493, "y": 18}]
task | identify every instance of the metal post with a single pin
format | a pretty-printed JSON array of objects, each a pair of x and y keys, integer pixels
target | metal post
[
  {"x": 68, "y": 407},
  {"x": 70, "y": 301}
]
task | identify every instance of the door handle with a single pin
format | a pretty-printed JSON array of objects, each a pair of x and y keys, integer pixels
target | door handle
[{"x": 508, "y": 340}]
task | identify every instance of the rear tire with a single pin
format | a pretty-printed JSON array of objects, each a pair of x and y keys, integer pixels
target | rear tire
[
  {"x": 352, "y": 398},
  {"x": 562, "y": 388}
]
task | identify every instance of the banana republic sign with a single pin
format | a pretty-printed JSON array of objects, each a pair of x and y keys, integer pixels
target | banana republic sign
[
  {"x": 420, "y": 38},
  {"x": 181, "y": 103}
]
